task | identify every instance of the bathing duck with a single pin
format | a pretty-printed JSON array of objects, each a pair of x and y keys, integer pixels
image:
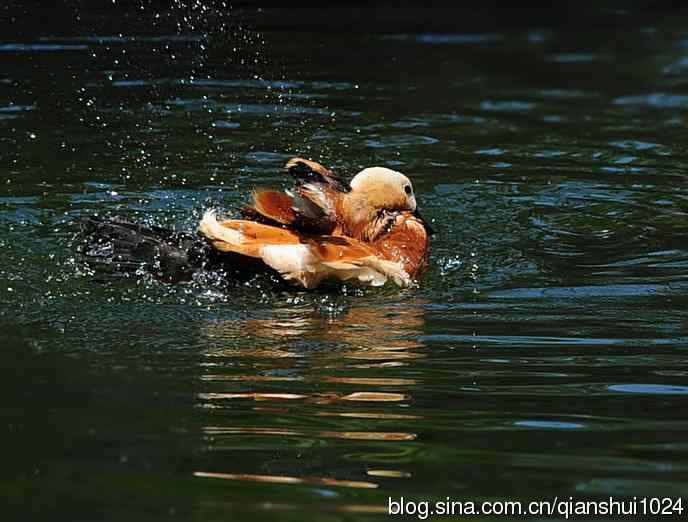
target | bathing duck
[{"x": 368, "y": 230}]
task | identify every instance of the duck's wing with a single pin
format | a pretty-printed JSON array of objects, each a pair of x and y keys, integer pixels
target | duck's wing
[
  {"x": 272, "y": 207},
  {"x": 302, "y": 259},
  {"x": 309, "y": 172},
  {"x": 313, "y": 205}
]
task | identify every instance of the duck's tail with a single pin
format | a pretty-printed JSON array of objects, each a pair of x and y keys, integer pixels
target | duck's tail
[{"x": 123, "y": 246}]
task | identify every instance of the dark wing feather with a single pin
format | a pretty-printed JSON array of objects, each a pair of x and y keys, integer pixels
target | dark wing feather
[{"x": 307, "y": 171}]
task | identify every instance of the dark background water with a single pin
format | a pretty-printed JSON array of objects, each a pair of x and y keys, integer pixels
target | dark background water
[{"x": 543, "y": 354}]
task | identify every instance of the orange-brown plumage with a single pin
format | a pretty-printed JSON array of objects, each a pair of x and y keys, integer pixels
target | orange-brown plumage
[
  {"x": 407, "y": 242},
  {"x": 324, "y": 229},
  {"x": 274, "y": 205},
  {"x": 314, "y": 204}
]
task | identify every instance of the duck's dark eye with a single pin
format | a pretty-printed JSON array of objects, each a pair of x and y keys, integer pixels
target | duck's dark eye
[{"x": 407, "y": 189}]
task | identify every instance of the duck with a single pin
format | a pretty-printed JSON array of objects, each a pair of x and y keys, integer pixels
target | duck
[
  {"x": 368, "y": 230},
  {"x": 322, "y": 229}
]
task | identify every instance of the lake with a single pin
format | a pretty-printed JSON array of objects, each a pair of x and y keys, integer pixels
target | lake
[{"x": 544, "y": 353}]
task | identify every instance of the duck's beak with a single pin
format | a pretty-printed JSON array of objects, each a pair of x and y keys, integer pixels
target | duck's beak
[{"x": 428, "y": 228}]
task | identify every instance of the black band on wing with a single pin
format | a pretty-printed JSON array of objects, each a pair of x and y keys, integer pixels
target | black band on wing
[{"x": 304, "y": 173}]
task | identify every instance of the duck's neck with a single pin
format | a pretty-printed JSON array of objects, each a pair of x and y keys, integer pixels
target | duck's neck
[
  {"x": 357, "y": 212},
  {"x": 364, "y": 221}
]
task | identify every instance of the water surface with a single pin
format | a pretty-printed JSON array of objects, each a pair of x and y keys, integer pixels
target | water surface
[{"x": 544, "y": 353}]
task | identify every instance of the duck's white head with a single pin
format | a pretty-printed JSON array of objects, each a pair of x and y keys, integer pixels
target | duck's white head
[{"x": 380, "y": 188}]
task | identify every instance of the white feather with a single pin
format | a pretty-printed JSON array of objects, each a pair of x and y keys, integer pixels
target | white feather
[
  {"x": 211, "y": 228},
  {"x": 295, "y": 263}
]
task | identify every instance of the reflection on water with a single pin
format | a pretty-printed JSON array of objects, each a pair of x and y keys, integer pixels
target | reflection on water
[
  {"x": 288, "y": 480},
  {"x": 313, "y": 355},
  {"x": 317, "y": 352},
  {"x": 544, "y": 352}
]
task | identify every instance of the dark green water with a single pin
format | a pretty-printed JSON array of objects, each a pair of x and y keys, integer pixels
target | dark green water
[{"x": 544, "y": 353}]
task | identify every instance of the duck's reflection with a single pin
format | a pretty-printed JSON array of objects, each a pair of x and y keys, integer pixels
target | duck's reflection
[
  {"x": 287, "y": 480},
  {"x": 312, "y": 377},
  {"x": 362, "y": 332}
]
